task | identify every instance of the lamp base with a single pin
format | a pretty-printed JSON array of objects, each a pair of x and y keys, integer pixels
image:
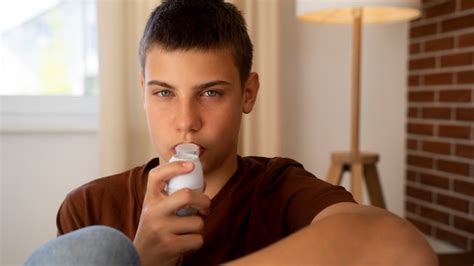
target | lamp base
[{"x": 362, "y": 166}]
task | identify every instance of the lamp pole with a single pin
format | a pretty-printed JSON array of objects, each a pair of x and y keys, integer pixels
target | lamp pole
[{"x": 356, "y": 54}]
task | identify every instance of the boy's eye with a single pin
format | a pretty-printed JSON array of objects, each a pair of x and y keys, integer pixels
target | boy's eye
[
  {"x": 211, "y": 93},
  {"x": 164, "y": 93}
]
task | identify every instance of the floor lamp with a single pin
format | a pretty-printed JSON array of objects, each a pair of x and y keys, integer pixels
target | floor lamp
[{"x": 361, "y": 165}]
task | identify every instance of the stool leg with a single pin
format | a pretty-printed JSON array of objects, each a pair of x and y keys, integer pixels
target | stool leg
[
  {"x": 356, "y": 182},
  {"x": 373, "y": 186},
  {"x": 335, "y": 173}
]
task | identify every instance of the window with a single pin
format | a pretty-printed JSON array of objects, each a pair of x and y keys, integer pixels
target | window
[{"x": 49, "y": 47}]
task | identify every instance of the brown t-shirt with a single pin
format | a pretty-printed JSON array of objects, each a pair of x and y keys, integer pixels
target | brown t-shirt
[{"x": 265, "y": 200}]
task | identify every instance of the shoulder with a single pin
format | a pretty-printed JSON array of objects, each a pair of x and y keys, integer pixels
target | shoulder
[
  {"x": 89, "y": 202},
  {"x": 272, "y": 165},
  {"x": 108, "y": 183},
  {"x": 284, "y": 183},
  {"x": 117, "y": 181},
  {"x": 274, "y": 171},
  {"x": 269, "y": 161}
]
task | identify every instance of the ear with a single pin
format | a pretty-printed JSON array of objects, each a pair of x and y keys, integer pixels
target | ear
[
  {"x": 142, "y": 86},
  {"x": 250, "y": 92}
]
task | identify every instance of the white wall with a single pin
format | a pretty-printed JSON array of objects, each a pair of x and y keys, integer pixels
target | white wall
[
  {"x": 316, "y": 81},
  {"x": 44, "y": 154},
  {"x": 37, "y": 172}
]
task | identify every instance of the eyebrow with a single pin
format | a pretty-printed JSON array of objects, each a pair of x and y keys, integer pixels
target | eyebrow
[{"x": 197, "y": 87}]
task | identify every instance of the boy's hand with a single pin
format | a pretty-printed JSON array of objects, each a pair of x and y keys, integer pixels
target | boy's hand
[{"x": 162, "y": 236}]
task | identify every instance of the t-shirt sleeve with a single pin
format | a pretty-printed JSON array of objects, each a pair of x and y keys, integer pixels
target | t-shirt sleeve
[
  {"x": 307, "y": 196},
  {"x": 69, "y": 215}
]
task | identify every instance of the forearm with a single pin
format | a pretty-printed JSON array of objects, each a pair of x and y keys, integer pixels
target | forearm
[{"x": 348, "y": 239}]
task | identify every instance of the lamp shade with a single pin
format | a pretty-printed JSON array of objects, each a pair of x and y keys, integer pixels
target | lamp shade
[{"x": 340, "y": 11}]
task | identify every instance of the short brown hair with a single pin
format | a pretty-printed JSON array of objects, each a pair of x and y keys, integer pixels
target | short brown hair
[{"x": 199, "y": 24}]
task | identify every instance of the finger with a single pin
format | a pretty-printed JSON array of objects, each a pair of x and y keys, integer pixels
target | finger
[
  {"x": 169, "y": 205},
  {"x": 188, "y": 242},
  {"x": 185, "y": 225},
  {"x": 158, "y": 176},
  {"x": 187, "y": 198}
]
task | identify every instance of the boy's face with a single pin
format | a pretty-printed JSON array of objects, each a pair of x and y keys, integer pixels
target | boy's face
[{"x": 195, "y": 96}]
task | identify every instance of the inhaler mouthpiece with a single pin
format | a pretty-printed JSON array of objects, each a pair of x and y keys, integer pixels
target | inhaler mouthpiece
[{"x": 187, "y": 148}]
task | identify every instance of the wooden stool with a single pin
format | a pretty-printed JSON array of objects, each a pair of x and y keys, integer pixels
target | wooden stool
[{"x": 361, "y": 165}]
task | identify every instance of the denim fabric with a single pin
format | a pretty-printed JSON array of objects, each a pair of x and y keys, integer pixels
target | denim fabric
[{"x": 94, "y": 245}]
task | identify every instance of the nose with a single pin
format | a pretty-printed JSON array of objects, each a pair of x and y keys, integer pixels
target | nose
[{"x": 188, "y": 117}]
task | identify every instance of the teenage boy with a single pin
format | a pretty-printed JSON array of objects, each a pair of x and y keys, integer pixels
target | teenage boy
[{"x": 196, "y": 82}]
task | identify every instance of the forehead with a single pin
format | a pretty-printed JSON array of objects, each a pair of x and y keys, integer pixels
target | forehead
[{"x": 192, "y": 62}]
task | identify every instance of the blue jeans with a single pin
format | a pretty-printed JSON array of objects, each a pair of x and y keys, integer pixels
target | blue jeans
[{"x": 94, "y": 245}]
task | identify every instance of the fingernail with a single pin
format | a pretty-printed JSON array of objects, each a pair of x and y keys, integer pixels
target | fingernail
[{"x": 187, "y": 165}]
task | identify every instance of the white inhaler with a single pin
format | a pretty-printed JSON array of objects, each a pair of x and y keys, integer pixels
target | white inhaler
[{"x": 193, "y": 180}]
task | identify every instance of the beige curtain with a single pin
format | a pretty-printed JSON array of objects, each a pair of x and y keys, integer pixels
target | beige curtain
[
  {"x": 124, "y": 139},
  {"x": 123, "y": 135},
  {"x": 260, "y": 132}
]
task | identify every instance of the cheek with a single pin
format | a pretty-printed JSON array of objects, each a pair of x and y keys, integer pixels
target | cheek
[
  {"x": 226, "y": 120},
  {"x": 157, "y": 113},
  {"x": 158, "y": 123}
]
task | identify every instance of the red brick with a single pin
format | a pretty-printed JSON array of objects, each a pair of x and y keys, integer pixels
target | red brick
[
  {"x": 453, "y": 202},
  {"x": 412, "y": 112},
  {"x": 466, "y": 40},
  {"x": 414, "y": 48},
  {"x": 465, "y": 77},
  {"x": 441, "y": 9},
  {"x": 435, "y": 181},
  {"x": 423, "y": 30},
  {"x": 413, "y": 81},
  {"x": 464, "y": 224},
  {"x": 464, "y": 187},
  {"x": 466, "y": 151},
  {"x": 466, "y": 4},
  {"x": 438, "y": 79},
  {"x": 436, "y": 147},
  {"x": 411, "y": 175},
  {"x": 421, "y": 96},
  {"x": 460, "y": 132},
  {"x": 419, "y": 193},
  {"x": 465, "y": 114},
  {"x": 422, "y": 63},
  {"x": 453, "y": 167},
  {"x": 455, "y": 24},
  {"x": 410, "y": 206},
  {"x": 450, "y": 237},
  {"x": 420, "y": 129},
  {"x": 412, "y": 144},
  {"x": 420, "y": 161},
  {"x": 434, "y": 215},
  {"x": 461, "y": 59},
  {"x": 436, "y": 112},
  {"x": 423, "y": 227},
  {"x": 439, "y": 44},
  {"x": 455, "y": 96}
]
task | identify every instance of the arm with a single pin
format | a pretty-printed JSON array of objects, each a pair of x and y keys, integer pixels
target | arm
[{"x": 348, "y": 234}]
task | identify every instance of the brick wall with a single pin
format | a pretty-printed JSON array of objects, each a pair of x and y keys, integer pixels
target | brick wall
[{"x": 440, "y": 129}]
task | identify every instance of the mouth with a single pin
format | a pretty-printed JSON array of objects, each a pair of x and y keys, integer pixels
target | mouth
[{"x": 201, "y": 149}]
